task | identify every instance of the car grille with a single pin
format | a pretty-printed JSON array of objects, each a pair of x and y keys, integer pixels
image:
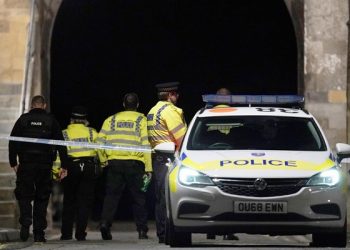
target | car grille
[{"x": 246, "y": 187}]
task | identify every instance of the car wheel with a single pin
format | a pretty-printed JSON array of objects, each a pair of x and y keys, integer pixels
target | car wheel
[
  {"x": 178, "y": 239},
  {"x": 330, "y": 239}
]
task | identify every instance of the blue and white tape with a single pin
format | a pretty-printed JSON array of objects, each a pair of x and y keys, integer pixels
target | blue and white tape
[{"x": 78, "y": 144}]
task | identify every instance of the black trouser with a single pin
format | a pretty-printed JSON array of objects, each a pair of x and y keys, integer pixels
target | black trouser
[
  {"x": 34, "y": 183},
  {"x": 160, "y": 171},
  {"x": 78, "y": 189},
  {"x": 121, "y": 173}
]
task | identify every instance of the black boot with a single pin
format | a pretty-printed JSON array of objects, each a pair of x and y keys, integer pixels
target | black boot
[
  {"x": 161, "y": 239},
  {"x": 39, "y": 238},
  {"x": 105, "y": 232},
  {"x": 143, "y": 235},
  {"x": 24, "y": 233},
  {"x": 80, "y": 236},
  {"x": 66, "y": 237}
]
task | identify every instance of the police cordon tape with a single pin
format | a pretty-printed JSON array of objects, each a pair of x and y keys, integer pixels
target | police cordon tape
[{"x": 78, "y": 144}]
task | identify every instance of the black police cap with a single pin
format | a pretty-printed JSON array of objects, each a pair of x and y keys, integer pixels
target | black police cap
[
  {"x": 167, "y": 87},
  {"x": 79, "y": 112}
]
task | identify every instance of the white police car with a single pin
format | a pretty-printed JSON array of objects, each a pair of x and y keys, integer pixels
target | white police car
[{"x": 260, "y": 166}]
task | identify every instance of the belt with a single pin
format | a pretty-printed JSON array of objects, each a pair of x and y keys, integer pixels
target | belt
[{"x": 84, "y": 159}]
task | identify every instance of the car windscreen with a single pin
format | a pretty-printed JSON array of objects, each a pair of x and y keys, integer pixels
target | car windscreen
[{"x": 255, "y": 132}]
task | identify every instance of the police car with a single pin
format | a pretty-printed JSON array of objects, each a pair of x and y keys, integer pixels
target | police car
[{"x": 257, "y": 165}]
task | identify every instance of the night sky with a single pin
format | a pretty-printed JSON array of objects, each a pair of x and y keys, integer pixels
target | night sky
[{"x": 102, "y": 49}]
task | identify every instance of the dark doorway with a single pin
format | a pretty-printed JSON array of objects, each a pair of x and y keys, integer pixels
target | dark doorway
[{"x": 102, "y": 49}]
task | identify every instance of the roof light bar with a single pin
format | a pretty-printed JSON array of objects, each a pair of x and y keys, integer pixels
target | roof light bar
[{"x": 253, "y": 99}]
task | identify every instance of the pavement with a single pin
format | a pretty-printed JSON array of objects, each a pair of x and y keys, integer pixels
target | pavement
[
  {"x": 9, "y": 234},
  {"x": 12, "y": 235}
]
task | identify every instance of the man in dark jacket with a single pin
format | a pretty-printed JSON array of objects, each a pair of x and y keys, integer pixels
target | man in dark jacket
[{"x": 34, "y": 177}]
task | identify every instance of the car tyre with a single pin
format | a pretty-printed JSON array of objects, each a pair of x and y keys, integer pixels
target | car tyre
[
  {"x": 330, "y": 239},
  {"x": 178, "y": 239}
]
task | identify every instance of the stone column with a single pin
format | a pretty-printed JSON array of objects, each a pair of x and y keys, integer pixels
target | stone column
[
  {"x": 48, "y": 13},
  {"x": 14, "y": 23},
  {"x": 38, "y": 77},
  {"x": 325, "y": 65},
  {"x": 296, "y": 11}
]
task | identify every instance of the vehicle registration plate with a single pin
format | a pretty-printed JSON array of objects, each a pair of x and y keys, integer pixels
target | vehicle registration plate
[{"x": 266, "y": 207}]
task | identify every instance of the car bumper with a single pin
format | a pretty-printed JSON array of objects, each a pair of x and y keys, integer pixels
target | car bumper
[{"x": 208, "y": 209}]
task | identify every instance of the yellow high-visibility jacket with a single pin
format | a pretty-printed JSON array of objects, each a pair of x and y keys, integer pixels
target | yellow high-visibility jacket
[
  {"x": 56, "y": 168},
  {"x": 126, "y": 128},
  {"x": 166, "y": 123},
  {"x": 76, "y": 132},
  {"x": 80, "y": 133}
]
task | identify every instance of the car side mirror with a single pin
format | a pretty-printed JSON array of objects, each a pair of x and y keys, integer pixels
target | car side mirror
[
  {"x": 165, "y": 147},
  {"x": 343, "y": 151}
]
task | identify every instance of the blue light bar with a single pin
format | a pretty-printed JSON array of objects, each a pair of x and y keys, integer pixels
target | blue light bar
[{"x": 253, "y": 99}]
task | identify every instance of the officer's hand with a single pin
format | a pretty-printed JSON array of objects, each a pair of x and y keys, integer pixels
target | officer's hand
[
  {"x": 103, "y": 164},
  {"x": 149, "y": 174},
  {"x": 15, "y": 168},
  {"x": 63, "y": 173}
]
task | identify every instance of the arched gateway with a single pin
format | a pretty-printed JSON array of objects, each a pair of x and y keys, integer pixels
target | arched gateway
[{"x": 322, "y": 44}]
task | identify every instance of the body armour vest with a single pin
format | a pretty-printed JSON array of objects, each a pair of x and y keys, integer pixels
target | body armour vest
[{"x": 36, "y": 126}]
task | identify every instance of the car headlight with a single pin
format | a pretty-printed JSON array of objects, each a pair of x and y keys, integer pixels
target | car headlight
[
  {"x": 329, "y": 177},
  {"x": 191, "y": 177}
]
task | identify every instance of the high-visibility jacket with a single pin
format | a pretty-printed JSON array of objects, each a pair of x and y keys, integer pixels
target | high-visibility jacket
[
  {"x": 80, "y": 133},
  {"x": 166, "y": 123},
  {"x": 223, "y": 130},
  {"x": 56, "y": 168},
  {"x": 126, "y": 128}
]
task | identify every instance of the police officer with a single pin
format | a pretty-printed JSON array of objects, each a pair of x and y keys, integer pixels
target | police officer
[
  {"x": 79, "y": 186},
  {"x": 165, "y": 123},
  {"x": 125, "y": 168},
  {"x": 34, "y": 178},
  {"x": 223, "y": 91}
]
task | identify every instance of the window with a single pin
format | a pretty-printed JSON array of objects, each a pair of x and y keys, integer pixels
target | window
[{"x": 255, "y": 132}]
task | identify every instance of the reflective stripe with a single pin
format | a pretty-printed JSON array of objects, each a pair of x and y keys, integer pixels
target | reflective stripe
[
  {"x": 124, "y": 141},
  {"x": 157, "y": 127},
  {"x": 113, "y": 123},
  {"x": 80, "y": 139},
  {"x": 159, "y": 137},
  {"x": 91, "y": 135},
  {"x": 179, "y": 127},
  {"x": 159, "y": 113},
  {"x": 65, "y": 135},
  {"x": 75, "y": 150},
  {"x": 138, "y": 125},
  {"x": 104, "y": 131},
  {"x": 144, "y": 138},
  {"x": 120, "y": 132},
  {"x": 101, "y": 140}
]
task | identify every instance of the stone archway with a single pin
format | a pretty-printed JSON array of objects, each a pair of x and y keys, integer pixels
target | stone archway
[
  {"x": 47, "y": 11},
  {"x": 322, "y": 38}
]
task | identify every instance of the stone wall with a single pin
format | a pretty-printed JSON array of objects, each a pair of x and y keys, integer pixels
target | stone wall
[
  {"x": 14, "y": 21},
  {"x": 325, "y": 65},
  {"x": 14, "y": 24}
]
